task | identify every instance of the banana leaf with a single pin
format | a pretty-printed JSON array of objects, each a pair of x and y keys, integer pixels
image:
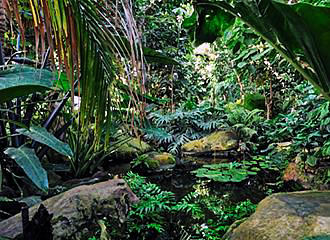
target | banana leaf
[
  {"x": 18, "y": 81},
  {"x": 299, "y": 32},
  {"x": 29, "y": 162},
  {"x": 41, "y": 135}
]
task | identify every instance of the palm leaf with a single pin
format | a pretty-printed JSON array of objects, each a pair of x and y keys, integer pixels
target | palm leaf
[
  {"x": 88, "y": 38},
  {"x": 98, "y": 43}
]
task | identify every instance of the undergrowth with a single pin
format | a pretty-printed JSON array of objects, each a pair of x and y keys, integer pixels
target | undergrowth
[
  {"x": 189, "y": 122},
  {"x": 159, "y": 215}
]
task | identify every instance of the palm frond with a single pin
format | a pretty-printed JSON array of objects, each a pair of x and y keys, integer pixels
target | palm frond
[{"x": 97, "y": 43}]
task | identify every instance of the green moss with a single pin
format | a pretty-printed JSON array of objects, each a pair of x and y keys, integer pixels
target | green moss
[
  {"x": 217, "y": 141},
  {"x": 152, "y": 163},
  {"x": 196, "y": 145},
  {"x": 132, "y": 148},
  {"x": 155, "y": 160},
  {"x": 139, "y": 145}
]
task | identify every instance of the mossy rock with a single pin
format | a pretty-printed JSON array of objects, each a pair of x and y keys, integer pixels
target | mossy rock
[
  {"x": 155, "y": 160},
  {"x": 219, "y": 141},
  {"x": 77, "y": 209},
  {"x": 132, "y": 148},
  {"x": 304, "y": 175},
  {"x": 286, "y": 216}
]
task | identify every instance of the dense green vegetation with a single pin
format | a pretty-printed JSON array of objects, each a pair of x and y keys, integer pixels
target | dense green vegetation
[
  {"x": 198, "y": 215},
  {"x": 166, "y": 74}
]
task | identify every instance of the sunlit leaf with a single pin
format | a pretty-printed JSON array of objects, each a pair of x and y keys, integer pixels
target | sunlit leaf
[{"x": 296, "y": 31}]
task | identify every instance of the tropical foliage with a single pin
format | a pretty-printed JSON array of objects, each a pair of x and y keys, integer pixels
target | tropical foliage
[
  {"x": 292, "y": 34},
  {"x": 150, "y": 217},
  {"x": 78, "y": 79}
]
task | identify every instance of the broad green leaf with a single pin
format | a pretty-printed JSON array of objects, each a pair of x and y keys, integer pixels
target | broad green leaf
[
  {"x": 262, "y": 54},
  {"x": 296, "y": 31},
  {"x": 242, "y": 64},
  {"x": 41, "y": 135},
  {"x": 62, "y": 82},
  {"x": 212, "y": 24},
  {"x": 30, "y": 200},
  {"x": 20, "y": 81},
  {"x": 4, "y": 238},
  {"x": 326, "y": 149},
  {"x": 5, "y": 199},
  {"x": 29, "y": 162},
  {"x": 22, "y": 125},
  {"x": 221, "y": 178}
]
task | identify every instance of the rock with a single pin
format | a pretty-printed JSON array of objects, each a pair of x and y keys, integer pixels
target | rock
[
  {"x": 155, "y": 160},
  {"x": 131, "y": 149},
  {"x": 79, "y": 208},
  {"x": 214, "y": 144},
  {"x": 287, "y": 216}
]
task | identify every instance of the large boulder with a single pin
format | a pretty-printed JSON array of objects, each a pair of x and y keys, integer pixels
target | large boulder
[
  {"x": 73, "y": 211},
  {"x": 287, "y": 216},
  {"x": 131, "y": 148},
  {"x": 213, "y": 145},
  {"x": 156, "y": 160}
]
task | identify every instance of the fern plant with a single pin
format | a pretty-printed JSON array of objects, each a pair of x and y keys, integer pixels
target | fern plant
[
  {"x": 245, "y": 122},
  {"x": 188, "y": 206},
  {"x": 148, "y": 215},
  {"x": 171, "y": 130},
  {"x": 159, "y": 215}
]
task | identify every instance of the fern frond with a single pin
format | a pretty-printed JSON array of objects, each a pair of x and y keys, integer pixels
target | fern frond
[
  {"x": 161, "y": 119},
  {"x": 192, "y": 134},
  {"x": 159, "y": 135},
  {"x": 188, "y": 205},
  {"x": 209, "y": 125}
]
